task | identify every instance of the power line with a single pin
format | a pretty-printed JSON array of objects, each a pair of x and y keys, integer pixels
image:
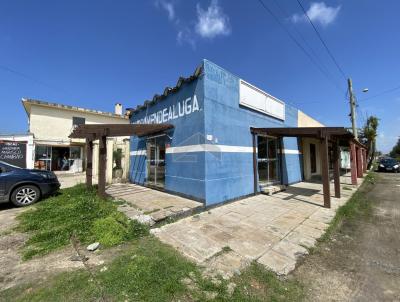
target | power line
[
  {"x": 297, "y": 42},
  {"x": 322, "y": 41},
  {"x": 381, "y": 93},
  {"x": 28, "y": 77},
  {"x": 285, "y": 13}
]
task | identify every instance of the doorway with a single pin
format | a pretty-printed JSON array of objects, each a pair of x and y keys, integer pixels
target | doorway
[
  {"x": 268, "y": 161},
  {"x": 156, "y": 161}
]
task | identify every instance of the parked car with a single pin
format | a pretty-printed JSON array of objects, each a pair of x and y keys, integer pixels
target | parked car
[
  {"x": 389, "y": 164},
  {"x": 25, "y": 186}
]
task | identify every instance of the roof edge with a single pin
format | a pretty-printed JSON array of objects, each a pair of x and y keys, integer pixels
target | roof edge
[{"x": 26, "y": 101}]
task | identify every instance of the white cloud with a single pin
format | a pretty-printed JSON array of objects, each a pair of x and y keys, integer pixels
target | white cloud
[
  {"x": 185, "y": 35},
  {"x": 212, "y": 22},
  {"x": 318, "y": 12},
  {"x": 168, "y": 7}
]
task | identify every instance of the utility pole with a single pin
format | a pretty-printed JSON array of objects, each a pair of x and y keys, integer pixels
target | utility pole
[{"x": 352, "y": 108}]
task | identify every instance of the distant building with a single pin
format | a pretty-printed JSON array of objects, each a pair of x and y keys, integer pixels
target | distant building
[{"x": 50, "y": 124}]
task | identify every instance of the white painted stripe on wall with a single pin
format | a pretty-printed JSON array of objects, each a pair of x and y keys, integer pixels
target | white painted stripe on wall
[
  {"x": 138, "y": 152},
  {"x": 209, "y": 148},
  {"x": 290, "y": 151}
]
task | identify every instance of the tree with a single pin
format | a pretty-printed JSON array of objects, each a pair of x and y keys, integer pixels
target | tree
[
  {"x": 368, "y": 137},
  {"x": 395, "y": 153}
]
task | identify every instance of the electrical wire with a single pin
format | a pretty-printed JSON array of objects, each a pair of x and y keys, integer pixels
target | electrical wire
[
  {"x": 381, "y": 93},
  {"x": 28, "y": 77},
  {"x": 322, "y": 41},
  {"x": 298, "y": 43},
  {"x": 313, "y": 52}
]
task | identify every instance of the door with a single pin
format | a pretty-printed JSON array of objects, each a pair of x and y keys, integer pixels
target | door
[
  {"x": 268, "y": 161},
  {"x": 156, "y": 161}
]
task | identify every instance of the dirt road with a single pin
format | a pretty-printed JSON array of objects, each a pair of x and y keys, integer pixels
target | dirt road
[{"x": 362, "y": 262}]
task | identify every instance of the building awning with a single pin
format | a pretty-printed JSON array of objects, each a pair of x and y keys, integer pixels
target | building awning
[
  {"x": 337, "y": 136},
  {"x": 332, "y": 133},
  {"x": 97, "y": 131}
]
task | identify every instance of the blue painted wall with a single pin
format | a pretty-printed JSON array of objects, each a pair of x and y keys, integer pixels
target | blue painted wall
[
  {"x": 217, "y": 176},
  {"x": 184, "y": 173},
  {"x": 231, "y": 176}
]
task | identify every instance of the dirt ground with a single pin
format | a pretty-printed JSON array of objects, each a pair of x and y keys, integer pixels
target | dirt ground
[
  {"x": 362, "y": 262},
  {"x": 14, "y": 271}
]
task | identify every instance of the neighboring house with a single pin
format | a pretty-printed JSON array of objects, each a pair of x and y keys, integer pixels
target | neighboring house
[
  {"x": 51, "y": 124},
  {"x": 208, "y": 155}
]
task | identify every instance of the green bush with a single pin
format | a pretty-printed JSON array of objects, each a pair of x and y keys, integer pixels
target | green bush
[
  {"x": 116, "y": 229},
  {"x": 75, "y": 211}
]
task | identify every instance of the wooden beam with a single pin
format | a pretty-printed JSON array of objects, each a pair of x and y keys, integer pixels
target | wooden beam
[
  {"x": 336, "y": 168},
  {"x": 89, "y": 162},
  {"x": 359, "y": 163},
  {"x": 88, "y": 130},
  {"x": 102, "y": 165},
  {"x": 325, "y": 172},
  {"x": 353, "y": 161},
  {"x": 302, "y": 131},
  {"x": 255, "y": 163}
]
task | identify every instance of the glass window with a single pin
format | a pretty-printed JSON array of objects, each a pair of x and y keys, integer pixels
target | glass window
[
  {"x": 43, "y": 157},
  {"x": 76, "y": 121},
  {"x": 75, "y": 152}
]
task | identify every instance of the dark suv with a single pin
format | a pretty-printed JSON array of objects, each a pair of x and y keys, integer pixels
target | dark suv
[
  {"x": 389, "y": 165},
  {"x": 25, "y": 186}
]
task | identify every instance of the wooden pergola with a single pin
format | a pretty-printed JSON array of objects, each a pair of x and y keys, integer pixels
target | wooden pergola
[
  {"x": 337, "y": 136},
  {"x": 100, "y": 132}
]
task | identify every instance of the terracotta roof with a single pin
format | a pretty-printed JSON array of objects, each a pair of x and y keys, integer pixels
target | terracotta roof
[
  {"x": 167, "y": 91},
  {"x": 27, "y": 102}
]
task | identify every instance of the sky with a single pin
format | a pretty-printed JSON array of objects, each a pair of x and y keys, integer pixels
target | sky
[{"x": 94, "y": 54}]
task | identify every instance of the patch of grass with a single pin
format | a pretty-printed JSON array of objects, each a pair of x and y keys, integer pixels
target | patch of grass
[
  {"x": 357, "y": 205},
  {"x": 258, "y": 284},
  {"x": 347, "y": 188},
  {"x": 152, "y": 271},
  {"x": 76, "y": 211}
]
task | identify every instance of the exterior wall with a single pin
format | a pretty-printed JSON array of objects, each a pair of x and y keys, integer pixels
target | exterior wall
[
  {"x": 305, "y": 120},
  {"x": 55, "y": 124},
  {"x": 229, "y": 172},
  {"x": 306, "y": 157},
  {"x": 185, "y": 168}
]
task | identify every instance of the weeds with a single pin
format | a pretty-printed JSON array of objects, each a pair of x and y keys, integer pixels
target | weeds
[{"x": 76, "y": 211}]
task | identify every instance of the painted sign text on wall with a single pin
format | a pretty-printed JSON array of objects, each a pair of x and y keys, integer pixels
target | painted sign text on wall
[{"x": 172, "y": 112}]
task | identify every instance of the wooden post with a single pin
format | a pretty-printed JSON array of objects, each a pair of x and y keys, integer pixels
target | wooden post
[
  {"x": 336, "y": 168},
  {"x": 359, "y": 163},
  {"x": 102, "y": 165},
  {"x": 325, "y": 171},
  {"x": 89, "y": 162},
  {"x": 255, "y": 163},
  {"x": 353, "y": 162},
  {"x": 365, "y": 166}
]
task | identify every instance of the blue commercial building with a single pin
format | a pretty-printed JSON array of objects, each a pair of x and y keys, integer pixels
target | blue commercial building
[{"x": 211, "y": 154}]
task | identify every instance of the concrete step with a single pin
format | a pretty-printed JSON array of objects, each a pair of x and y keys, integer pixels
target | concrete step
[{"x": 269, "y": 190}]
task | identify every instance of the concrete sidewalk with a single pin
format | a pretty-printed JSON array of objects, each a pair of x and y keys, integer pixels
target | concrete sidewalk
[
  {"x": 151, "y": 206},
  {"x": 273, "y": 230}
]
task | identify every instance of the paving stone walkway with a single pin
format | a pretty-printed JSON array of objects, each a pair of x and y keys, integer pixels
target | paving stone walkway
[
  {"x": 273, "y": 230},
  {"x": 150, "y": 206}
]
